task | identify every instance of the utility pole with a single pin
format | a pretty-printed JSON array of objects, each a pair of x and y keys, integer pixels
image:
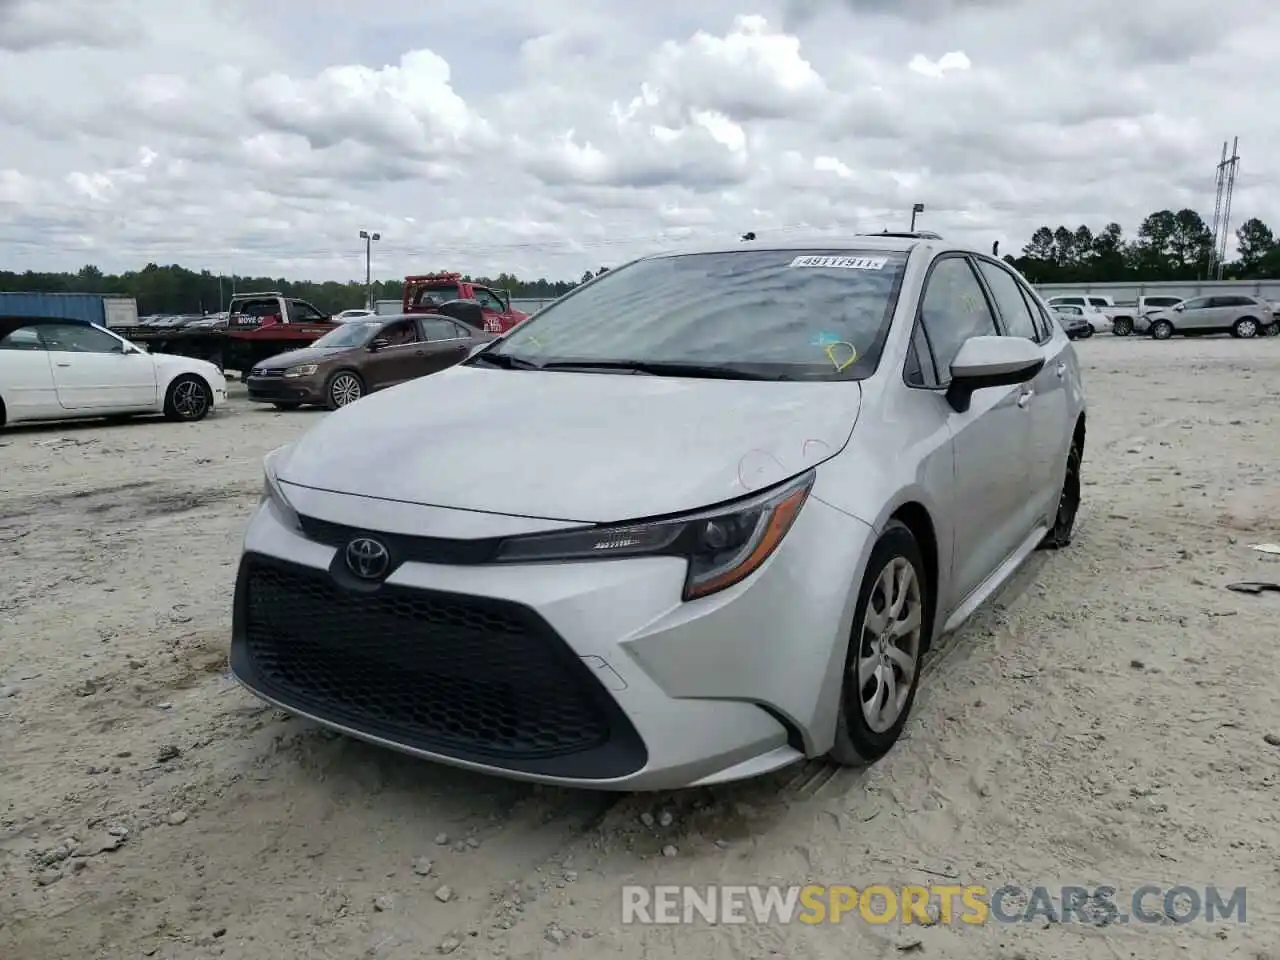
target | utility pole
[
  {"x": 1226, "y": 184},
  {"x": 368, "y": 239},
  {"x": 916, "y": 209}
]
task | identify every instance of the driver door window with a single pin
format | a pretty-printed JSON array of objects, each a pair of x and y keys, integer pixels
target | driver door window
[
  {"x": 1013, "y": 308},
  {"x": 399, "y": 334},
  {"x": 73, "y": 338},
  {"x": 953, "y": 309},
  {"x": 302, "y": 312},
  {"x": 489, "y": 300}
]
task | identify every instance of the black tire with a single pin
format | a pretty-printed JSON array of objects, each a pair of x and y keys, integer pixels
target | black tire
[
  {"x": 343, "y": 388},
  {"x": 1246, "y": 328},
  {"x": 1161, "y": 330},
  {"x": 1271, "y": 330},
  {"x": 1086, "y": 333},
  {"x": 856, "y": 743},
  {"x": 188, "y": 399},
  {"x": 1064, "y": 523},
  {"x": 286, "y": 406},
  {"x": 1122, "y": 327}
]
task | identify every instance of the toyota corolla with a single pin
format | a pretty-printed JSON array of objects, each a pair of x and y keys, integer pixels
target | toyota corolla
[{"x": 695, "y": 521}]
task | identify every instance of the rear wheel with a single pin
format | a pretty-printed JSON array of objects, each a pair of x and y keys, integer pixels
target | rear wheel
[
  {"x": 1245, "y": 328},
  {"x": 1161, "y": 330},
  {"x": 1122, "y": 327},
  {"x": 188, "y": 400},
  {"x": 344, "y": 387},
  {"x": 882, "y": 666}
]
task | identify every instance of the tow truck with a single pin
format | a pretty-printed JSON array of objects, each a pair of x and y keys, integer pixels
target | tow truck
[
  {"x": 424, "y": 293},
  {"x": 258, "y": 326}
]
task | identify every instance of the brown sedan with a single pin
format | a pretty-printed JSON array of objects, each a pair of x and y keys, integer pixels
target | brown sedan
[{"x": 362, "y": 356}]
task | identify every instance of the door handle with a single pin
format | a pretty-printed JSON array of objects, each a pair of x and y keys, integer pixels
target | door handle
[
  {"x": 1025, "y": 399},
  {"x": 64, "y": 363},
  {"x": 1062, "y": 369}
]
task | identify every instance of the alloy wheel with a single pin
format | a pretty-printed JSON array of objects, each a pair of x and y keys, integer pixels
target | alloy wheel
[
  {"x": 345, "y": 389},
  {"x": 189, "y": 400},
  {"x": 889, "y": 653}
]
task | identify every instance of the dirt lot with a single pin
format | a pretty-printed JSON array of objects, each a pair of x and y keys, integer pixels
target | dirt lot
[{"x": 1112, "y": 721}]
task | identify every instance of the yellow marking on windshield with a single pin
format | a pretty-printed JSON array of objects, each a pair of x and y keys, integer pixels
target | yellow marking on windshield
[{"x": 836, "y": 353}]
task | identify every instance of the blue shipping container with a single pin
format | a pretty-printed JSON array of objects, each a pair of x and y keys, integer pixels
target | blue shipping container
[{"x": 62, "y": 306}]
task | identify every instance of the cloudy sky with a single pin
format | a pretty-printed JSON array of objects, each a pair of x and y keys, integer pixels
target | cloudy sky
[{"x": 549, "y": 137}]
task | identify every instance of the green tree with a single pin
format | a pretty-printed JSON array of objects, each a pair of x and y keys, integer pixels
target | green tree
[{"x": 1255, "y": 244}]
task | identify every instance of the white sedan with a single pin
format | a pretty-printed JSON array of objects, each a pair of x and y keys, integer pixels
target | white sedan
[{"x": 70, "y": 369}]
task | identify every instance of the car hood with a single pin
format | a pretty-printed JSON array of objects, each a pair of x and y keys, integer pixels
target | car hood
[
  {"x": 292, "y": 358},
  {"x": 590, "y": 448}
]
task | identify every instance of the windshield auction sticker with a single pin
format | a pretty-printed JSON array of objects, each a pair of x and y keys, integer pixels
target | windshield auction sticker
[{"x": 841, "y": 263}]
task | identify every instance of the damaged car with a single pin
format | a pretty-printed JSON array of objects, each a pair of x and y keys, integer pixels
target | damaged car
[{"x": 708, "y": 539}]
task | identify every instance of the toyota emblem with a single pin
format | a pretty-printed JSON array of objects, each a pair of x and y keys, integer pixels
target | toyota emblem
[{"x": 367, "y": 558}]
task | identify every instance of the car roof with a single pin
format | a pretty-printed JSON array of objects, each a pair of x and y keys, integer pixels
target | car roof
[
  {"x": 13, "y": 323},
  {"x": 886, "y": 243}
]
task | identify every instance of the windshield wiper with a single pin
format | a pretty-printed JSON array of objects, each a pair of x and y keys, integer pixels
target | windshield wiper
[
  {"x": 505, "y": 360},
  {"x": 663, "y": 368}
]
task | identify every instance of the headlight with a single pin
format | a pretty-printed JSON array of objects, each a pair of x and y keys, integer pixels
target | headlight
[
  {"x": 271, "y": 490},
  {"x": 723, "y": 546},
  {"x": 301, "y": 370}
]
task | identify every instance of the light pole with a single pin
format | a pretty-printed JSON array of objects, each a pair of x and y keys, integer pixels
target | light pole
[
  {"x": 916, "y": 208},
  {"x": 368, "y": 239}
]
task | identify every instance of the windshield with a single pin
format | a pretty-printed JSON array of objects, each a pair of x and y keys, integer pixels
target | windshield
[
  {"x": 355, "y": 333},
  {"x": 796, "y": 314}
]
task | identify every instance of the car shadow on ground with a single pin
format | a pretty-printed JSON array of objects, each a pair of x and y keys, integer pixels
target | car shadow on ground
[{"x": 78, "y": 426}]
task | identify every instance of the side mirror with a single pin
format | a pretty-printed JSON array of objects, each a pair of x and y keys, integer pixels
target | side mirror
[
  {"x": 991, "y": 362},
  {"x": 379, "y": 343},
  {"x": 1179, "y": 307}
]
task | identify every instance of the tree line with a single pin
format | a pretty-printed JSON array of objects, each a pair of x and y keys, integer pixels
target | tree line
[
  {"x": 175, "y": 290},
  {"x": 1168, "y": 246}
]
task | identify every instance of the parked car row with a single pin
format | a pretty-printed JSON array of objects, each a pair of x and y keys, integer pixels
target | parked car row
[
  {"x": 1165, "y": 316},
  {"x": 64, "y": 369}
]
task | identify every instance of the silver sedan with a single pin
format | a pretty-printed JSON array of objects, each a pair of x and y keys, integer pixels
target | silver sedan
[{"x": 695, "y": 521}]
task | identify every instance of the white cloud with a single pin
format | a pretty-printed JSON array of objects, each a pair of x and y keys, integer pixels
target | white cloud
[{"x": 263, "y": 138}]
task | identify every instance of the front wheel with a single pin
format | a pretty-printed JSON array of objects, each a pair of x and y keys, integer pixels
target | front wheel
[
  {"x": 1064, "y": 522},
  {"x": 344, "y": 387},
  {"x": 1086, "y": 333},
  {"x": 188, "y": 400},
  {"x": 1122, "y": 327},
  {"x": 890, "y": 634},
  {"x": 1161, "y": 330}
]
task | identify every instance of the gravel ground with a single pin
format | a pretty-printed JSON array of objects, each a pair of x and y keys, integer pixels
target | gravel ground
[{"x": 1112, "y": 719}]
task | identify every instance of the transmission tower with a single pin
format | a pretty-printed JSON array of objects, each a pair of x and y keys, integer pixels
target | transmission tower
[{"x": 1226, "y": 185}]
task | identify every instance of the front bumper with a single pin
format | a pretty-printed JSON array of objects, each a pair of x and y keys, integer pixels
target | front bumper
[
  {"x": 590, "y": 674},
  {"x": 284, "y": 390}
]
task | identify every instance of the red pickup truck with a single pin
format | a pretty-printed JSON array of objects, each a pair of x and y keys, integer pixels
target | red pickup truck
[{"x": 425, "y": 292}]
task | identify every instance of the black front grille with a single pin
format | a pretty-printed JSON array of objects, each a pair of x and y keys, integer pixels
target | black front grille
[{"x": 481, "y": 680}]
